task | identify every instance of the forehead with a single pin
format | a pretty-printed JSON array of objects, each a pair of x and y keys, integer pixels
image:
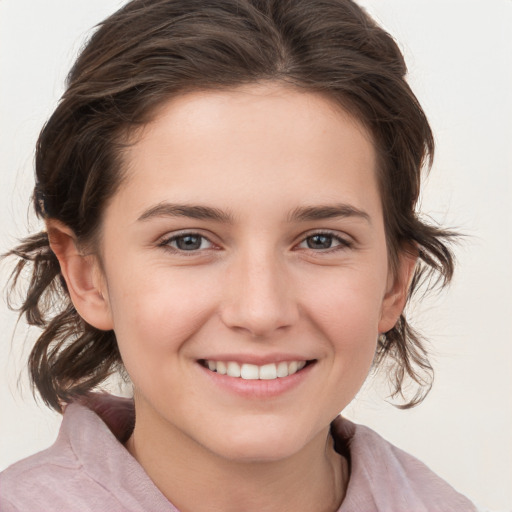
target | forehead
[{"x": 256, "y": 141}]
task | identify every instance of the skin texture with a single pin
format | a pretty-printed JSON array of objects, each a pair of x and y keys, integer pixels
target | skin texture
[{"x": 256, "y": 288}]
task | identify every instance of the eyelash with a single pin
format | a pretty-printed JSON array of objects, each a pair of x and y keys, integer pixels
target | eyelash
[
  {"x": 165, "y": 244},
  {"x": 343, "y": 243}
]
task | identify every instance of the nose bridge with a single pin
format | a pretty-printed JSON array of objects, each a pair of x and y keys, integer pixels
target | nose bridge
[{"x": 259, "y": 296}]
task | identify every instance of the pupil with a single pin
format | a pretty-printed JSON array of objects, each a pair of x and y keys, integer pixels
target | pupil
[
  {"x": 188, "y": 242},
  {"x": 319, "y": 242}
]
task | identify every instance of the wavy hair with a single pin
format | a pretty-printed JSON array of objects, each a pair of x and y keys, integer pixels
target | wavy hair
[{"x": 148, "y": 52}]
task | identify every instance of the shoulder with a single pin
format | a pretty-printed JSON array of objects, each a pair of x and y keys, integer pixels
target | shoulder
[
  {"x": 72, "y": 474},
  {"x": 389, "y": 479},
  {"x": 87, "y": 469},
  {"x": 30, "y": 483},
  {"x": 59, "y": 478}
]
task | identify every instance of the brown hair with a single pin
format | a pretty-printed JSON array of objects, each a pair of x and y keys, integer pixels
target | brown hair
[{"x": 149, "y": 51}]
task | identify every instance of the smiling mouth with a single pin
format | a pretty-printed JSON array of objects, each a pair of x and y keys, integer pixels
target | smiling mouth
[{"x": 248, "y": 371}]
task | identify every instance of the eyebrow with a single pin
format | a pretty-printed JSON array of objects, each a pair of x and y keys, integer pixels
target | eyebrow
[
  {"x": 300, "y": 214},
  {"x": 311, "y": 213},
  {"x": 190, "y": 211}
]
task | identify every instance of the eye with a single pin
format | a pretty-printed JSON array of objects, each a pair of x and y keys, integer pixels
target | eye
[
  {"x": 187, "y": 242},
  {"x": 324, "y": 242}
]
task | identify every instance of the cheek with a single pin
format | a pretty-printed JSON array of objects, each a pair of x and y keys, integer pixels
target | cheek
[
  {"x": 346, "y": 310},
  {"x": 348, "y": 303},
  {"x": 156, "y": 314},
  {"x": 350, "y": 328}
]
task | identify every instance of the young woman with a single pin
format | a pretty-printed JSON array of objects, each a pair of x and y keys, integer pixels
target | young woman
[{"x": 229, "y": 191}]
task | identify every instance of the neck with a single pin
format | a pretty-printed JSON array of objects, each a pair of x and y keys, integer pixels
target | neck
[{"x": 194, "y": 478}]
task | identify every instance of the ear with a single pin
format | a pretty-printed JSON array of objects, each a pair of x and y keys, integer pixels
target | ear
[
  {"x": 83, "y": 276},
  {"x": 397, "y": 291}
]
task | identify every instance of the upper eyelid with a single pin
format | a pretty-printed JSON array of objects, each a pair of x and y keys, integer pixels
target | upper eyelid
[
  {"x": 335, "y": 234},
  {"x": 185, "y": 232}
]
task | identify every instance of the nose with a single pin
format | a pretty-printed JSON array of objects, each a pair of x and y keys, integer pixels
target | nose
[{"x": 259, "y": 296}]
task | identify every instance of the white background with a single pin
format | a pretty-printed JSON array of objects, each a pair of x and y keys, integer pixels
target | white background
[{"x": 460, "y": 60}]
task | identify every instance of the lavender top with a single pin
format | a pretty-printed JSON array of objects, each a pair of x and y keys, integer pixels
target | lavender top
[{"x": 89, "y": 469}]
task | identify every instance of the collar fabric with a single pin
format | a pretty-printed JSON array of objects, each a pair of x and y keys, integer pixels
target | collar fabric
[{"x": 89, "y": 469}]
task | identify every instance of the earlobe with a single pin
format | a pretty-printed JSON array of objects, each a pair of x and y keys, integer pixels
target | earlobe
[
  {"x": 398, "y": 290},
  {"x": 83, "y": 276}
]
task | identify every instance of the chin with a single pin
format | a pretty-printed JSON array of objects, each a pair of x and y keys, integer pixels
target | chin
[{"x": 259, "y": 444}]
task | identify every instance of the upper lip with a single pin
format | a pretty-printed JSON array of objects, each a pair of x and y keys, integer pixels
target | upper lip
[{"x": 258, "y": 360}]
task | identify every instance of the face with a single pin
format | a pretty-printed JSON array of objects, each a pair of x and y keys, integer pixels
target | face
[{"x": 247, "y": 238}]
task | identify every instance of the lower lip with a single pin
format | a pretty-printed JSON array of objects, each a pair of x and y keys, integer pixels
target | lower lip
[{"x": 259, "y": 389}]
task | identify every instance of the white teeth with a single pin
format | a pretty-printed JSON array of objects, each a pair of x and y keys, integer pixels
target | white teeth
[
  {"x": 221, "y": 368},
  {"x": 233, "y": 369},
  {"x": 282, "y": 369},
  {"x": 253, "y": 372},
  {"x": 268, "y": 372},
  {"x": 249, "y": 372}
]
